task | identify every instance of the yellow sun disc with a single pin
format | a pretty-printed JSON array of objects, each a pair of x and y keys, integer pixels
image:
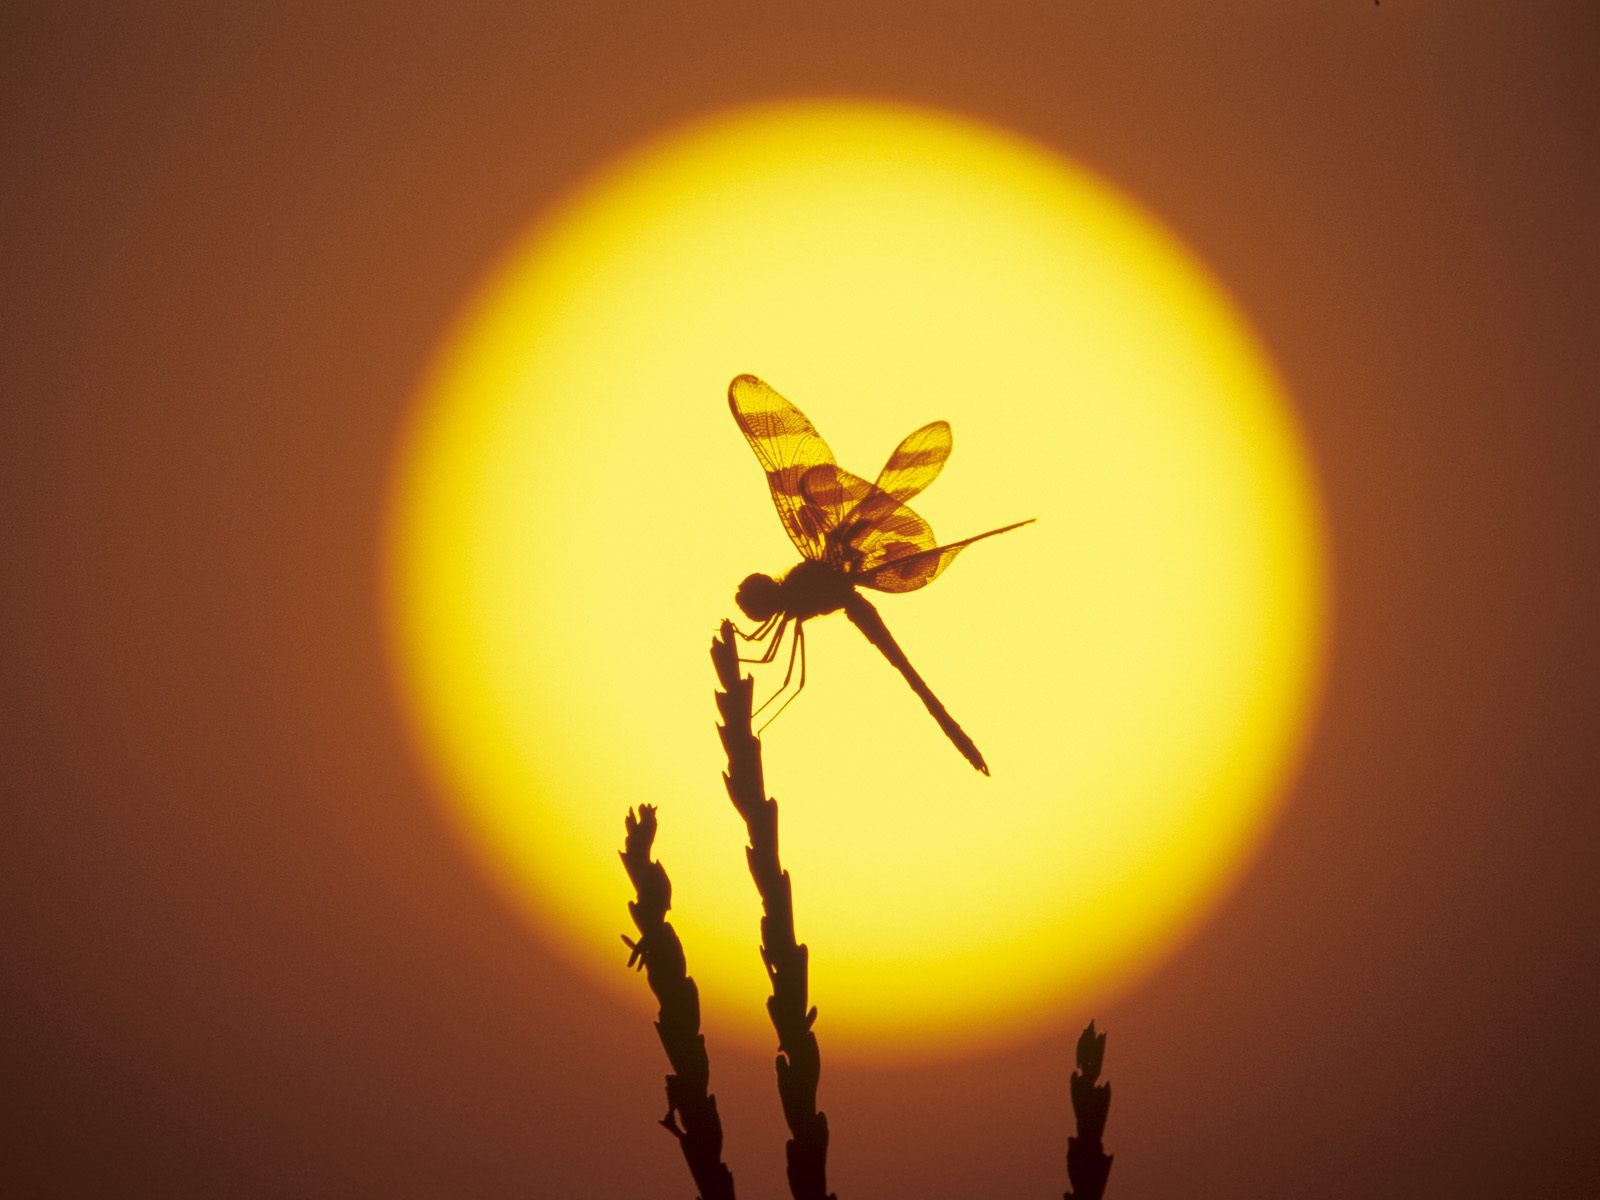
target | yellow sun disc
[{"x": 574, "y": 506}]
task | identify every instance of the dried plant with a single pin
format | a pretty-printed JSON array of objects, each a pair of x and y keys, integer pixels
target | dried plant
[
  {"x": 1088, "y": 1164},
  {"x": 799, "y": 1062},
  {"x": 659, "y": 952},
  {"x": 691, "y": 1109}
]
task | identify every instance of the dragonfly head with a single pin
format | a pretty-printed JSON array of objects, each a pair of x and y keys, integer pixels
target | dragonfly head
[{"x": 758, "y": 597}]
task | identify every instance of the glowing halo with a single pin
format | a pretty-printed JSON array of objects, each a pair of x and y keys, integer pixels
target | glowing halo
[{"x": 573, "y": 508}]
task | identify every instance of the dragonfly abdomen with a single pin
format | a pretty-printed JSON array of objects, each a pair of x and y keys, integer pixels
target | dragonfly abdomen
[{"x": 865, "y": 618}]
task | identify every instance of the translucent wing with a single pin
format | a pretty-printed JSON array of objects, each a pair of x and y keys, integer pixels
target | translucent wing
[
  {"x": 916, "y": 461},
  {"x": 788, "y": 446},
  {"x": 910, "y": 571},
  {"x": 833, "y": 494},
  {"x": 867, "y": 526}
]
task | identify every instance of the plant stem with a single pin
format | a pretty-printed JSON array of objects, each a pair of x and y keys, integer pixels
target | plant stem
[
  {"x": 799, "y": 1063},
  {"x": 1088, "y": 1165},
  {"x": 659, "y": 952}
]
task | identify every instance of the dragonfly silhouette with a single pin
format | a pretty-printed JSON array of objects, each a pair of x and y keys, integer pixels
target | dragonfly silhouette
[{"x": 850, "y": 534}]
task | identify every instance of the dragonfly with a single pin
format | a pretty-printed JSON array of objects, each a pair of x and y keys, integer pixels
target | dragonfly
[{"x": 851, "y": 534}]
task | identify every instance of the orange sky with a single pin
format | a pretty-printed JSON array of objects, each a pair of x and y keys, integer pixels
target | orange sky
[{"x": 244, "y": 955}]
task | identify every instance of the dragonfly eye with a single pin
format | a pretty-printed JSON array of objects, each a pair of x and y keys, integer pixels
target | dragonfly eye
[{"x": 758, "y": 596}]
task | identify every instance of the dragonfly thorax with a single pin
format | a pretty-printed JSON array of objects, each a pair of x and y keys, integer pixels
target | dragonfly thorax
[{"x": 808, "y": 590}]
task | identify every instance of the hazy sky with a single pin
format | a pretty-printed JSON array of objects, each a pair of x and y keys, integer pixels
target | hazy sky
[{"x": 244, "y": 954}]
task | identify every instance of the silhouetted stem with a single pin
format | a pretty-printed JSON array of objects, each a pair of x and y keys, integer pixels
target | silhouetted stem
[
  {"x": 660, "y": 953},
  {"x": 1088, "y": 1164},
  {"x": 799, "y": 1064}
]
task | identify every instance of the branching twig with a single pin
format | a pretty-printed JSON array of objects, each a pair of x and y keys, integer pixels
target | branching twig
[
  {"x": 1088, "y": 1164},
  {"x": 660, "y": 953},
  {"x": 799, "y": 1064}
]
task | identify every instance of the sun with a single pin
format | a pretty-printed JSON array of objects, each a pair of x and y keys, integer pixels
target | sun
[{"x": 573, "y": 508}]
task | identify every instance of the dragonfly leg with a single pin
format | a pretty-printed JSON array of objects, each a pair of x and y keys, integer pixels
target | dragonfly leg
[
  {"x": 788, "y": 674},
  {"x": 760, "y": 633},
  {"x": 797, "y": 649},
  {"x": 772, "y": 637}
]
